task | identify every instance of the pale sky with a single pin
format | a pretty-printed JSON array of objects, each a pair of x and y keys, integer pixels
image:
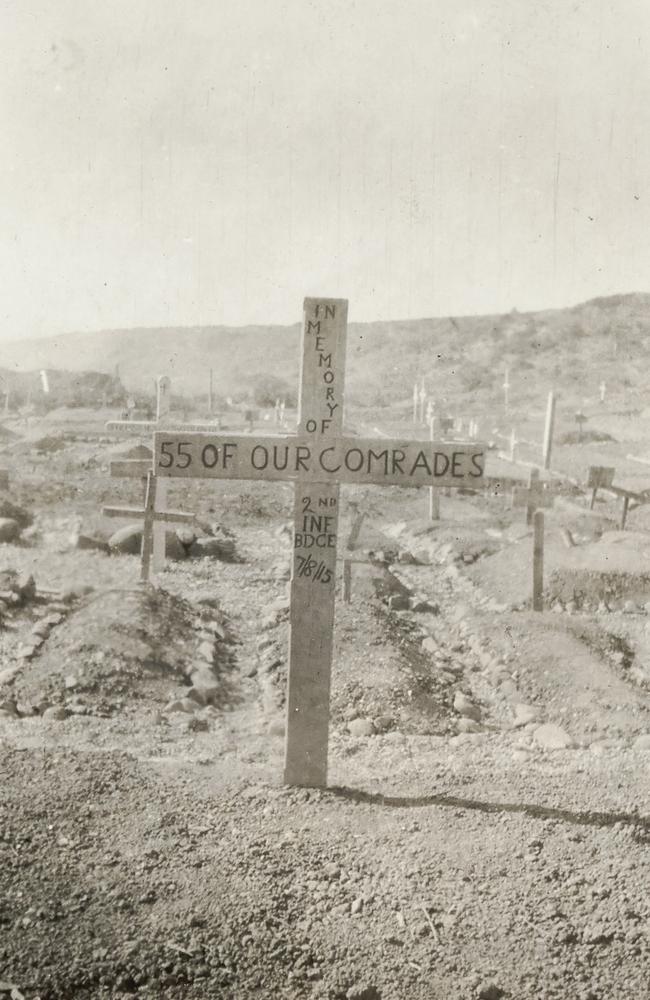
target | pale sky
[{"x": 214, "y": 161}]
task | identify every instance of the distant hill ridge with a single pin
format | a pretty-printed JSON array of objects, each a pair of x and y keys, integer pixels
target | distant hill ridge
[{"x": 460, "y": 353}]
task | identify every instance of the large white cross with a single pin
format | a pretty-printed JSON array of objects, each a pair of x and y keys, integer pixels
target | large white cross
[{"x": 318, "y": 459}]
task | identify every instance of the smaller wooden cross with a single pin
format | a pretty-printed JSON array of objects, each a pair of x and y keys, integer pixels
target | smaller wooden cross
[
  {"x": 602, "y": 390},
  {"x": 355, "y": 531},
  {"x": 506, "y": 389},
  {"x": 580, "y": 419},
  {"x": 533, "y": 497},
  {"x": 423, "y": 398},
  {"x": 600, "y": 477},
  {"x": 151, "y": 517}
]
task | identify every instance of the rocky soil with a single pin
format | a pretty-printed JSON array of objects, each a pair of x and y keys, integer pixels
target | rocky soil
[{"x": 487, "y": 825}]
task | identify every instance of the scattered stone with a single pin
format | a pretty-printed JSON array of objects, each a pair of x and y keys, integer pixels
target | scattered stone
[
  {"x": 55, "y": 712},
  {"x": 429, "y": 645},
  {"x": 421, "y": 606},
  {"x": 181, "y": 705},
  {"x": 398, "y": 602},
  {"x": 524, "y": 714},
  {"x": 642, "y": 742},
  {"x": 361, "y": 727},
  {"x": 10, "y": 510},
  {"x": 8, "y": 706},
  {"x": 552, "y": 737},
  {"x": 465, "y": 706},
  {"x": 489, "y": 991},
  {"x": 215, "y": 548},
  {"x": 383, "y": 723},
  {"x": 88, "y": 543},
  {"x": 196, "y": 725},
  {"x": 466, "y": 725},
  {"x": 356, "y": 906},
  {"x": 127, "y": 540}
]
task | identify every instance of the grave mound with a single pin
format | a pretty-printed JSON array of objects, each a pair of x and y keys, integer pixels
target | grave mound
[{"x": 118, "y": 649}]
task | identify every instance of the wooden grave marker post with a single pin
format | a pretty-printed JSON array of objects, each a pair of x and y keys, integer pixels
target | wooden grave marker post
[
  {"x": 548, "y": 429},
  {"x": 506, "y": 390},
  {"x": 533, "y": 497},
  {"x": 153, "y": 516},
  {"x": 138, "y": 468},
  {"x": 600, "y": 477},
  {"x": 318, "y": 459},
  {"x": 434, "y": 495},
  {"x": 538, "y": 561},
  {"x": 355, "y": 531}
]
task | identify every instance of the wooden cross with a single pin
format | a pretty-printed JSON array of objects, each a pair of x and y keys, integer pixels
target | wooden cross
[
  {"x": 600, "y": 477},
  {"x": 415, "y": 403},
  {"x": 538, "y": 561},
  {"x": 602, "y": 390},
  {"x": 506, "y": 389},
  {"x": 137, "y": 468},
  {"x": 580, "y": 419},
  {"x": 317, "y": 460},
  {"x": 533, "y": 497},
  {"x": 513, "y": 445},
  {"x": 353, "y": 538},
  {"x": 152, "y": 517},
  {"x": 423, "y": 398},
  {"x": 548, "y": 429}
]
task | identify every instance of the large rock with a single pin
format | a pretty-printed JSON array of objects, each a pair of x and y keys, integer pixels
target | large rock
[
  {"x": 215, "y": 548},
  {"x": 9, "y": 530},
  {"x": 127, "y": 540},
  {"x": 466, "y": 707},
  {"x": 88, "y": 543},
  {"x": 552, "y": 737}
]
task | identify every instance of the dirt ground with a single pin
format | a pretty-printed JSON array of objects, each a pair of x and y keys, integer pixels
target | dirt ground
[{"x": 486, "y": 828}]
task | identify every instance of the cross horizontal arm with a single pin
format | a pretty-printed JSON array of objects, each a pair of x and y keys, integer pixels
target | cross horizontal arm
[
  {"x": 149, "y": 426},
  {"x": 166, "y": 516},
  {"x": 385, "y": 461}
]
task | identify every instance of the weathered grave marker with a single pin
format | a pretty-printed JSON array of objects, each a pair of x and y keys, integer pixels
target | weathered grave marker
[
  {"x": 581, "y": 419},
  {"x": 318, "y": 459},
  {"x": 506, "y": 391},
  {"x": 548, "y": 429},
  {"x": 434, "y": 495},
  {"x": 138, "y": 468},
  {"x": 602, "y": 390},
  {"x": 152, "y": 517},
  {"x": 532, "y": 498},
  {"x": 600, "y": 477},
  {"x": 353, "y": 538},
  {"x": 538, "y": 561}
]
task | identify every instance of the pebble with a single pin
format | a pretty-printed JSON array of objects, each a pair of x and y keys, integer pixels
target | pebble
[
  {"x": 552, "y": 737},
  {"x": 56, "y": 712},
  {"x": 465, "y": 706},
  {"x": 524, "y": 714},
  {"x": 361, "y": 727}
]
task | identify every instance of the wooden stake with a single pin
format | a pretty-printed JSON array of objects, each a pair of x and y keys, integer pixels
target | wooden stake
[
  {"x": 548, "y": 430},
  {"x": 538, "y": 561},
  {"x": 163, "y": 409},
  {"x": 434, "y": 495}
]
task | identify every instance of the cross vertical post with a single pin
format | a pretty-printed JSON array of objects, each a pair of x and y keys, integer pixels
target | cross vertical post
[
  {"x": 434, "y": 495},
  {"x": 548, "y": 429},
  {"x": 347, "y": 563},
  {"x": 313, "y": 578},
  {"x": 163, "y": 408},
  {"x": 538, "y": 561}
]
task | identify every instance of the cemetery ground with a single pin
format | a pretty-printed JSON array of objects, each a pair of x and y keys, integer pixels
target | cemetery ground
[{"x": 485, "y": 833}]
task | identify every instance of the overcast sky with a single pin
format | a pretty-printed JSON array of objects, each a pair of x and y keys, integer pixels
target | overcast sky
[{"x": 214, "y": 161}]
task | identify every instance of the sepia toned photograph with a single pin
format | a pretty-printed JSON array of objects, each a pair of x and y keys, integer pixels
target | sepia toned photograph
[{"x": 324, "y": 466}]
